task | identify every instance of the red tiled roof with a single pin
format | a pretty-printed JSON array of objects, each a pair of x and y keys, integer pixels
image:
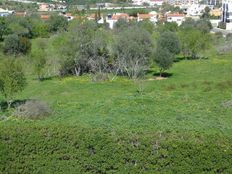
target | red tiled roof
[
  {"x": 145, "y": 16},
  {"x": 44, "y": 17},
  {"x": 20, "y": 14},
  {"x": 120, "y": 16},
  {"x": 175, "y": 15}
]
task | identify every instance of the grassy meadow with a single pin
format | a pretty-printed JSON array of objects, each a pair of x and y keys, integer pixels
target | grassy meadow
[{"x": 181, "y": 124}]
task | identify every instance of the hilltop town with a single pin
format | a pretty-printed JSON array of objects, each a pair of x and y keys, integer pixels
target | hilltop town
[{"x": 153, "y": 10}]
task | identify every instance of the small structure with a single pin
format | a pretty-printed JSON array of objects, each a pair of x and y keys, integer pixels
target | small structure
[
  {"x": 21, "y": 14},
  {"x": 44, "y": 7},
  {"x": 151, "y": 17},
  {"x": 5, "y": 12},
  {"x": 112, "y": 19},
  {"x": 175, "y": 17},
  {"x": 156, "y": 2},
  {"x": 45, "y": 17}
]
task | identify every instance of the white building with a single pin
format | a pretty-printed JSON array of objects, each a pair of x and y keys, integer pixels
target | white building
[
  {"x": 150, "y": 2},
  {"x": 227, "y": 13},
  {"x": 175, "y": 17},
  {"x": 195, "y": 10},
  {"x": 152, "y": 16},
  {"x": 5, "y": 12},
  {"x": 156, "y": 2},
  {"x": 112, "y": 19}
]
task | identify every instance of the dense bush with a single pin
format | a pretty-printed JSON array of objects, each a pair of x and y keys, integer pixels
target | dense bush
[
  {"x": 222, "y": 25},
  {"x": 28, "y": 148},
  {"x": 14, "y": 44},
  {"x": 33, "y": 109}
]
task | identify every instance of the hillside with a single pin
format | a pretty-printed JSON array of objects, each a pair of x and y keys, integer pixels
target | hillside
[{"x": 178, "y": 125}]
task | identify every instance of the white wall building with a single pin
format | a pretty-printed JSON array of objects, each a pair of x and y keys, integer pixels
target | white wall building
[
  {"x": 152, "y": 16},
  {"x": 175, "y": 17},
  {"x": 227, "y": 11},
  {"x": 195, "y": 10}
]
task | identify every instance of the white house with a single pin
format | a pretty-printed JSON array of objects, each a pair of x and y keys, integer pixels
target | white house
[
  {"x": 112, "y": 19},
  {"x": 175, "y": 17},
  {"x": 152, "y": 16},
  {"x": 195, "y": 10}
]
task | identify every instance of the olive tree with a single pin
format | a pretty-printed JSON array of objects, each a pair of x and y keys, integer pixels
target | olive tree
[
  {"x": 132, "y": 49},
  {"x": 38, "y": 55},
  {"x": 163, "y": 58},
  {"x": 168, "y": 46},
  {"x": 193, "y": 41},
  {"x": 84, "y": 49},
  {"x": 15, "y": 45},
  {"x": 170, "y": 41},
  {"x": 57, "y": 23},
  {"x": 12, "y": 80}
]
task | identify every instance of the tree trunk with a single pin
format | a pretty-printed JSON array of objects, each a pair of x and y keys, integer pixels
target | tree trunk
[
  {"x": 160, "y": 72},
  {"x": 9, "y": 102},
  {"x": 77, "y": 71}
]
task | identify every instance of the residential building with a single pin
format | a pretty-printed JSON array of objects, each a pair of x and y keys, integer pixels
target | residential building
[
  {"x": 175, "y": 17},
  {"x": 44, "y": 7},
  {"x": 227, "y": 13},
  {"x": 156, "y": 2},
  {"x": 112, "y": 19},
  {"x": 22, "y": 14},
  {"x": 195, "y": 10},
  {"x": 152, "y": 16},
  {"x": 182, "y": 2}
]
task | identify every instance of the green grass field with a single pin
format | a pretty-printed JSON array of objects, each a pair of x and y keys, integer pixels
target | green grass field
[{"x": 182, "y": 124}]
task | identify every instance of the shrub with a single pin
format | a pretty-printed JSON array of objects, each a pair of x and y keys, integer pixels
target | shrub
[
  {"x": 33, "y": 109},
  {"x": 229, "y": 36},
  {"x": 222, "y": 25},
  {"x": 14, "y": 44}
]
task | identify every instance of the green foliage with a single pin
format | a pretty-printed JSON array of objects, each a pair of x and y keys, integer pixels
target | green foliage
[
  {"x": 193, "y": 41},
  {"x": 57, "y": 23},
  {"x": 121, "y": 25},
  {"x": 89, "y": 53},
  {"x": 12, "y": 79},
  {"x": 146, "y": 25},
  {"x": 38, "y": 55},
  {"x": 163, "y": 58},
  {"x": 4, "y": 30},
  {"x": 206, "y": 14},
  {"x": 203, "y": 25},
  {"x": 15, "y": 45},
  {"x": 167, "y": 26},
  {"x": 65, "y": 149},
  {"x": 169, "y": 41},
  {"x": 222, "y": 25},
  {"x": 178, "y": 125},
  {"x": 136, "y": 11},
  {"x": 133, "y": 51}
]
